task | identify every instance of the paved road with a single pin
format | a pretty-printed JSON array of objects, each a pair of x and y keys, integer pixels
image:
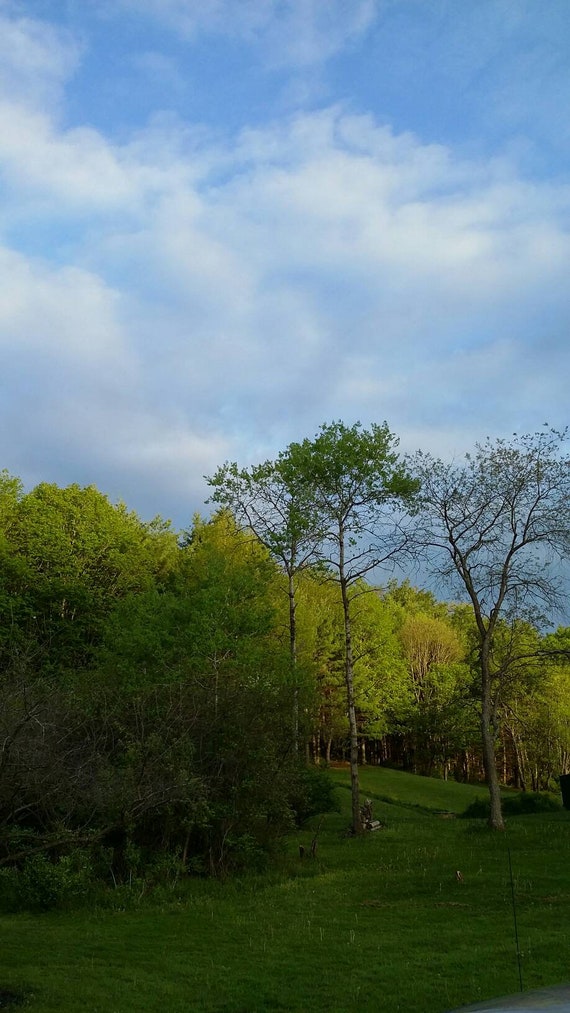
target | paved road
[{"x": 556, "y": 999}]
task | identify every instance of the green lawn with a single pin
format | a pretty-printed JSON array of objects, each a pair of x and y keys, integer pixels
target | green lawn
[
  {"x": 377, "y": 924},
  {"x": 411, "y": 790}
]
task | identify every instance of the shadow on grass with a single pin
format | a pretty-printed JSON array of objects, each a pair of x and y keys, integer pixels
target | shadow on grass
[{"x": 9, "y": 998}]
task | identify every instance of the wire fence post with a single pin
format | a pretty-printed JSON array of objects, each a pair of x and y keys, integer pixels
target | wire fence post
[{"x": 515, "y": 920}]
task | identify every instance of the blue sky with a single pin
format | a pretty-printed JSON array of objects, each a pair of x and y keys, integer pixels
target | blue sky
[{"x": 224, "y": 222}]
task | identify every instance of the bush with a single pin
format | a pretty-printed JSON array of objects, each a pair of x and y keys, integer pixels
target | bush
[
  {"x": 531, "y": 802},
  {"x": 41, "y": 885},
  {"x": 314, "y": 793},
  {"x": 522, "y": 804}
]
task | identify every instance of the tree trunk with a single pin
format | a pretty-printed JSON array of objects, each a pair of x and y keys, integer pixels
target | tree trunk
[
  {"x": 354, "y": 780},
  {"x": 293, "y": 655},
  {"x": 520, "y": 780}
]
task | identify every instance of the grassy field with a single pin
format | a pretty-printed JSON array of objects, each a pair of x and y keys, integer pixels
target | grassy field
[
  {"x": 412, "y": 791},
  {"x": 376, "y": 924}
]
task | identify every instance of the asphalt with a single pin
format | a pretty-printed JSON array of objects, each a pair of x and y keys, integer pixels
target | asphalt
[{"x": 556, "y": 998}]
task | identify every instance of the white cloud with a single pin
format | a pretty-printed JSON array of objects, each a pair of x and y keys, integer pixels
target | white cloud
[
  {"x": 36, "y": 59},
  {"x": 66, "y": 313},
  {"x": 219, "y": 300},
  {"x": 77, "y": 398},
  {"x": 78, "y": 168},
  {"x": 146, "y": 456},
  {"x": 391, "y": 209}
]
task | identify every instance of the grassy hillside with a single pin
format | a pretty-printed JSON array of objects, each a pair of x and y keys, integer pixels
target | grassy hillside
[
  {"x": 376, "y": 924},
  {"x": 411, "y": 790}
]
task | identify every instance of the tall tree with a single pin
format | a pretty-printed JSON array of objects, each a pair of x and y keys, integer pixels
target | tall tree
[
  {"x": 270, "y": 500},
  {"x": 496, "y": 526},
  {"x": 355, "y": 483}
]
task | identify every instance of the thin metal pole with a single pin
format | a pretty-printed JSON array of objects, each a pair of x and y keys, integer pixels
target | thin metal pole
[{"x": 515, "y": 919}]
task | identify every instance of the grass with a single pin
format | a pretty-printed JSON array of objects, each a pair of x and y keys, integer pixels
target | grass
[
  {"x": 411, "y": 790},
  {"x": 373, "y": 924}
]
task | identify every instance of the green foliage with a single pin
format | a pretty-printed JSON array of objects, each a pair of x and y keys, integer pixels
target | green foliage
[
  {"x": 355, "y": 484},
  {"x": 352, "y": 475},
  {"x": 43, "y": 885},
  {"x": 315, "y": 793},
  {"x": 66, "y": 556},
  {"x": 175, "y": 738},
  {"x": 271, "y": 500}
]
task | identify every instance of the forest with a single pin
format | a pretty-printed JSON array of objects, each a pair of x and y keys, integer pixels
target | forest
[{"x": 173, "y": 700}]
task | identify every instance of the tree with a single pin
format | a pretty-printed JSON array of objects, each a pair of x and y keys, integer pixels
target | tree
[
  {"x": 320, "y": 659},
  {"x": 177, "y": 737},
  {"x": 66, "y": 555},
  {"x": 496, "y": 526},
  {"x": 437, "y": 683},
  {"x": 354, "y": 483},
  {"x": 427, "y": 642},
  {"x": 216, "y": 636},
  {"x": 270, "y": 500},
  {"x": 379, "y": 672},
  {"x": 536, "y": 709}
]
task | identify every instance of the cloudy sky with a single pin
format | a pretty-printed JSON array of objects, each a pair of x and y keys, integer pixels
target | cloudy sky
[{"x": 224, "y": 222}]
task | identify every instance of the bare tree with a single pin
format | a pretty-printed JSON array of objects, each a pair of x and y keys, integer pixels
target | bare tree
[{"x": 497, "y": 526}]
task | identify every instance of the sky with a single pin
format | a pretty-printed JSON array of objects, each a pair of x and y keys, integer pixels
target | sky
[{"x": 226, "y": 222}]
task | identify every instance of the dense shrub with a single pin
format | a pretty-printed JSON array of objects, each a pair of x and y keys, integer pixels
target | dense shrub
[
  {"x": 42, "y": 885},
  {"x": 522, "y": 804},
  {"x": 315, "y": 793}
]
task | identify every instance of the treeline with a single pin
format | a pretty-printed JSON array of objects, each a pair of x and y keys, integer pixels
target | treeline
[
  {"x": 418, "y": 694},
  {"x": 145, "y": 698},
  {"x": 161, "y": 694},
  {"x": 493, "y": 527}
]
